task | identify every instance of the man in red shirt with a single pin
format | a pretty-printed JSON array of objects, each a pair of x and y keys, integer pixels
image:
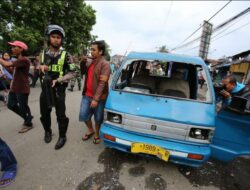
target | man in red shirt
[
  {"x": 19, "y": 89},
  {"x": 95, "y": 91}
]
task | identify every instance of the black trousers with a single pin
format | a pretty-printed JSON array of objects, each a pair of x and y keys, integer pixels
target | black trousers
[
  {"x": 1, "y": 98},
  {"x": 18, "y": 103},
  {"x": 59, "y": 101},
  {"x": 35, "y": 77}
]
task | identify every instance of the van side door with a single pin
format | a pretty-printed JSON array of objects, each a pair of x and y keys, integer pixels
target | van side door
[{"x": 232, "y": 135}]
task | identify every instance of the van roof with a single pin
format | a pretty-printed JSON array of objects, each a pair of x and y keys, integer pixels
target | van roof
[{"x": 166, "y": 57}]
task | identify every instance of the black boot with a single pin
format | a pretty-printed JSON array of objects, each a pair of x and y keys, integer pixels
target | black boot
[
  {"x": 60, "y": 143},
  {"x": 47, "y": 137},
  {"x": 48, "y": 132},
  {"x": 63, "y": 126}
]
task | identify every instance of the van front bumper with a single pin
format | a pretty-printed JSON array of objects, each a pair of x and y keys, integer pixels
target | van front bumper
[{"x": 179, "y": 150}]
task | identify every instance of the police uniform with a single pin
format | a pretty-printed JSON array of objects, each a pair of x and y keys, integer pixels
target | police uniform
[
  {"x": 78, "y": 78},
  {"x": 59, "y": 65}
]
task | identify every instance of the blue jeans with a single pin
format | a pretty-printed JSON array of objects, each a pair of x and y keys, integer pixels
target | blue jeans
[
  {"x": 7, "y": 158},
  {"x": 86, "y": 112}
]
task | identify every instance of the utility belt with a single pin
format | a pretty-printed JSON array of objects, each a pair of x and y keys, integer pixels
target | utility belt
[{"x": 49, "y": 92}]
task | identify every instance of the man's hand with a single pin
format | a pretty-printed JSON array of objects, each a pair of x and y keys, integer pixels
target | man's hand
[
  {"x": 5, "y": 63},
  {"x": 83, "y": 58},
  {"x": 93, "y": 104},
  {"x": 43, "y": 68},
  {"x": 225, "y": 93},
  {"x": 54, "y": 83},
  {"x": 4, "y": 76}
]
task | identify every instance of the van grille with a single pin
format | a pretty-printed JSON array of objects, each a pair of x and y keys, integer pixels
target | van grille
[{"x": 158, "y": 128}]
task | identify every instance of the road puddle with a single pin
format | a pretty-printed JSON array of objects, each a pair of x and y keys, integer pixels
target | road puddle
[{"x": 109, "y": 178}]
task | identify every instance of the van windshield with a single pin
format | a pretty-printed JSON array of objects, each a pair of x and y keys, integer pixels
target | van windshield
[{"x": 162, "y": 78}]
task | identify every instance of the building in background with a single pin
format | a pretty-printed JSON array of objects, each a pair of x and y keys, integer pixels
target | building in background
[
  {"x": 116, "y": 60},
  {"x": 240, "y": 66}
]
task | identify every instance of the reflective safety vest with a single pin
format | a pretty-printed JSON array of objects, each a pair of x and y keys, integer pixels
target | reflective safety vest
[{"x": 56, "y": 67}]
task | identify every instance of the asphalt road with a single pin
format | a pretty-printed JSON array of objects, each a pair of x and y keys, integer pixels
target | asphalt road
[{"x": 84, "y": 165}]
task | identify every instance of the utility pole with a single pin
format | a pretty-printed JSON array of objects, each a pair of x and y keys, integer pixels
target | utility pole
[{"x": 205, "y": 39}]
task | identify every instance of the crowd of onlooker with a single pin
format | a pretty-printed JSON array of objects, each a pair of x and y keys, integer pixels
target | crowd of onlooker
[
  {"x": 5, "y": 77},
  {"x": 6, "y": 74}
]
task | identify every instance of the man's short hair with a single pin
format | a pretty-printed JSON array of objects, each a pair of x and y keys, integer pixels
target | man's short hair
[
  {"x": 101, "y": 45},
  {"x": 231, "y": 78}
]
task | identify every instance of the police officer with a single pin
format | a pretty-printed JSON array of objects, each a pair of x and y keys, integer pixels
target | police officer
[
  {"x": 55, "y": 63},
  {"x": 78, "y": 77}
]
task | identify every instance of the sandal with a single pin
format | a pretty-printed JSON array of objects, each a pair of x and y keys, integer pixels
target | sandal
[
  {"x": 87, "y": 136},
  {"x": 97, "y": 140},
  {"x": 25, "y": 129},
  {"x": 7, "y": 178}
]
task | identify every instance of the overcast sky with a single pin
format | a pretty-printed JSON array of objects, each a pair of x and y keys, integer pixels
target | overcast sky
[{"x": 146, "y": 25}]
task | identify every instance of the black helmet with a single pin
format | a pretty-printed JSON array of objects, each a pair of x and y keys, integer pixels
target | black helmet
[{"x": 52, "y": 28}]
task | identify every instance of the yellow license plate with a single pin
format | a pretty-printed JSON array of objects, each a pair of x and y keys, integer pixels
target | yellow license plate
[{"x": 150, "y": 149}]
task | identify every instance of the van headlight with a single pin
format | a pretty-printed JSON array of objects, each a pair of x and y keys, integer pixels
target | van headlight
[
  {"x": 114, "y": 117},
  {"x": 202, "y": 134}
]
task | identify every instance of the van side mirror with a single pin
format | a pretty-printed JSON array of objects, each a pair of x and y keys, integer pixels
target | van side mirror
[{"x": 238, "y": 104}]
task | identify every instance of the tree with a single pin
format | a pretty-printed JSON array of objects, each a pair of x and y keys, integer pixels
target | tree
[
  {"x": 163, "y": 49},
  {"x": 27, "y": 20},
  {"x": 107, "y": 52}
]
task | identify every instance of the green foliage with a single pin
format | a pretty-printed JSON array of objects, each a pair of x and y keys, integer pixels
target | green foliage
[
  {"x": 163, "y": 49},
  {"x": 27, "y": 20},
  {"x": 107, "y": 52}
]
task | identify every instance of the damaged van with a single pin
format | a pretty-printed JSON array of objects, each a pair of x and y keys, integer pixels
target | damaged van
[{"x": 157, "y": 107}]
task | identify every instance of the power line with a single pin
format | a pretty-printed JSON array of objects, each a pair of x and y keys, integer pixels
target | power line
[
  {"x": 202, "y": 24},
  {"x": 220, "y": 10},
  {"x": 213, "y": 34},
  {"x": 217, "y": 28},
  {"x": 166, "y": 18},
  {"x": 188, "y": 43},
  {"x": 221, "y": 36},
  {"x": 165, "y": 22},
  {"x": 233, "y": 18},
  {"x": 232, "y": 31},
  {"x": 207, "y": 21},
  {"x": 192, "y": 48},
  {"x": 227, "y": 28}
]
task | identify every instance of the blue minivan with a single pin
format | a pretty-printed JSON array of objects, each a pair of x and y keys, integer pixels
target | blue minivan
[{"x": 156, "y": 107}]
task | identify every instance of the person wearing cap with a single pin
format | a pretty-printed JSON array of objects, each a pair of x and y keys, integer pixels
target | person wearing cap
[
  {"x": 55, "y": 64},
  {"x": 19, "y": 90}
]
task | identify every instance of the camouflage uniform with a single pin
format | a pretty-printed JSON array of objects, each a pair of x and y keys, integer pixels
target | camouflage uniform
[{"x": 78, "y": 77}]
